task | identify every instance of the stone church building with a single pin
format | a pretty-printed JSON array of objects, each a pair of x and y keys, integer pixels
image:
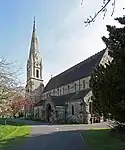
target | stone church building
[{"x": 67, "y": 97}]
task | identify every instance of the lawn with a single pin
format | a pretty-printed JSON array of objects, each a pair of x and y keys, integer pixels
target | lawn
[
  {"x": 102, "y": 139},
  {"x": 12, "y": 134}
]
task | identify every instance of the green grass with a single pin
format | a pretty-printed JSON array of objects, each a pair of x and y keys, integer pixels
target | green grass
[
  {"x": 12, "y": 134},
  {"x": 101, "y": 139}
]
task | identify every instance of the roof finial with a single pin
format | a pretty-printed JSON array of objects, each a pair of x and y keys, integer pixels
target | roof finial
[
  {"x": 34, "y": 24},
  {"x": 34, "y": 19}
]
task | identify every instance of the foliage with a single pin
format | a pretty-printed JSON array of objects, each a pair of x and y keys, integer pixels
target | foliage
[
  {"x": 12, "y": 94},
  {"x": 108, "y": 81},
  {"x": 101, "y": 139},
  {"x": 9, "y": 84},
  {"x": 18, "y": 103},
  {"x": 120, "y": 128}
]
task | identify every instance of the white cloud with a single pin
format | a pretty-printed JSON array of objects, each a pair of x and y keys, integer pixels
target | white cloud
[{"x": 74, "y": 42}]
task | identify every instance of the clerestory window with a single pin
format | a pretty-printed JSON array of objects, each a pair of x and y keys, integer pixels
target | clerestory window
[
  {"x": 75, "y": 86},
  {"x": 83, "y": 84}
]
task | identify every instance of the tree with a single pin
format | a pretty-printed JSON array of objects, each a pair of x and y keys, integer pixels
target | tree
[
  {"x": 108, "y": 81},
  {"x": 8, "y": 86},
  {"x": 21, "y": 102},
  {"x": 18, "y": 103},
  {"x": 29, "y": 104}
]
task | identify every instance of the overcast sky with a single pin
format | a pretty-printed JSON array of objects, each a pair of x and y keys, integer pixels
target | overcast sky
[{"x": 63, "y": 38}]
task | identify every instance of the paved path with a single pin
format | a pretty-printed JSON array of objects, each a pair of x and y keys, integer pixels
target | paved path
[{"x": 55, "y": 137}]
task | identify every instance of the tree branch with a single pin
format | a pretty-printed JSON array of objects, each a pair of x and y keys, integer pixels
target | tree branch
[{"x": 102, "y": 10}]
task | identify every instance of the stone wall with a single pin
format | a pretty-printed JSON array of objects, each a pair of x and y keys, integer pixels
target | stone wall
[
  {"x": 79, "y": 85},
  {"x": 77, "y": 116},
  {"x": 62, "y": 114}
]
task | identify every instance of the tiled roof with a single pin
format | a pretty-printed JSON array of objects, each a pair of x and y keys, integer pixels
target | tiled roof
[
  {"x": 81, "y": 70},
  {"x": 61, "y": 100}
]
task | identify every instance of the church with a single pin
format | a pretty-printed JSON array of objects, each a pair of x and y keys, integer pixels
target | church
[{"x": 67, "y": 97}]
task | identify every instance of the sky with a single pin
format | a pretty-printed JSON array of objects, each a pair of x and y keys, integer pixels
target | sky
[{"x": 63, "y": 38}]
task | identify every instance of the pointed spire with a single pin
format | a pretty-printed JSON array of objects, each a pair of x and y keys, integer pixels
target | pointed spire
[{"x": 34, "y": 38}]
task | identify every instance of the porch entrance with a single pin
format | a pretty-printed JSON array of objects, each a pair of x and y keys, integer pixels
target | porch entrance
[{"x": 48, "y": 112}]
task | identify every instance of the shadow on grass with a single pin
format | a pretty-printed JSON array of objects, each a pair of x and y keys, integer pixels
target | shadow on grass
[
  {"x": 103, "y": 139},
  {"x": 8, "y": 144},
  {"x": 19, "y": 122},
  {"x": 14, "y": 123},
  {"x": 61, "y": 140}
]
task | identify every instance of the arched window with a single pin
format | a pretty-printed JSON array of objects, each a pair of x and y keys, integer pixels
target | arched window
[
  {"x": 63, "y": 90},
  {"x": 37, "y": 73},
  {"x": 83, "y": 84},
  {"x": 68, "y": 88},
  {"x": 75, "y": 86},
  {"x": 72, "y": 109},
  {"x": 58, "y": 92}
]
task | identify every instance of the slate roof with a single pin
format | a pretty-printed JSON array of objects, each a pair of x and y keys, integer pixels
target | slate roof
[
  {"x": 81, "y": 70},
  {"x": 61, "y": 100}
]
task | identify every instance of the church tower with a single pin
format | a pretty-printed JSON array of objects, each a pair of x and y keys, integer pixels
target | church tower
[{"x": 34, "y": 85}]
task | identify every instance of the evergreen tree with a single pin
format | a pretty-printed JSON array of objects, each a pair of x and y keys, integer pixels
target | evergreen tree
[{"x": 108, "y": 81}]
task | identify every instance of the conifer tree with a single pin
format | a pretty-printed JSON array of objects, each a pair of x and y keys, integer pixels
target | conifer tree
[{"x": 108, "y": 81}]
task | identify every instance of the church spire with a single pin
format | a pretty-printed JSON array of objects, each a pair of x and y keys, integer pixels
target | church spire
[
  {"x": 34, "y": 55},
  {"x": 34, "y": 67},
  {"x": 34, "y": 40}
]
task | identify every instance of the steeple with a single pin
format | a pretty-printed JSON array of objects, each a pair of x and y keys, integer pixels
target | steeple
[
  {"x": 34, "y": 63},
  {"x": 34, "y": 85},
  {"x": 34, "y": 41}
]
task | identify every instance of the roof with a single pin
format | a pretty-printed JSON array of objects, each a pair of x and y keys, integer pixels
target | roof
[
  {"x": 81, "y": 70},
  {"x": 61, "y": 100}
]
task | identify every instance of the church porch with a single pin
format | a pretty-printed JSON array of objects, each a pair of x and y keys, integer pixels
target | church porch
[{"x": 72, "y": 108}]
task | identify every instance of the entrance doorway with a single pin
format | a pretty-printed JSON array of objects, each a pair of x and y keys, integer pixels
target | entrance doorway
[{"x": 48, "y": 112}]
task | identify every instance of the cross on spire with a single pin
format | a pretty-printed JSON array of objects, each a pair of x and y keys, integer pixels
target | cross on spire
[{"x": 34, "y": 24}]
